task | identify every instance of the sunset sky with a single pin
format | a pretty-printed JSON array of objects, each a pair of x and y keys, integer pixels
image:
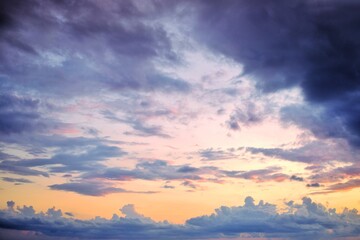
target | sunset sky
[{"x": 193, "y": 119}]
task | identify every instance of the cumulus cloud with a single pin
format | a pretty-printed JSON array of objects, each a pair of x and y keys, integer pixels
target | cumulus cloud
[{"x": 298, "y": 221}]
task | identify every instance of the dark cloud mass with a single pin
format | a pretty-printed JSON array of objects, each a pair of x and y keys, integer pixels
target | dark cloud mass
[
  {"x": 311, "y": 44},
  {"x": 70, "y": 52},
  {"x": 307, "y": 220}
]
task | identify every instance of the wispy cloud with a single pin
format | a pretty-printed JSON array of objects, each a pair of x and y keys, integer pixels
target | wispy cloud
[
  {"x": 93, "y": 188},
  {"x": 16, "y": 180}
]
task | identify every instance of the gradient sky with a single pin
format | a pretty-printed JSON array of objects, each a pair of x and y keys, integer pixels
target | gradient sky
[{"x": 155, "y": 119}]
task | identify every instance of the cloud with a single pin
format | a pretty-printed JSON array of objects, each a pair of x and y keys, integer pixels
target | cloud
[
  {"x": 20, "y": 114},
  {"x": 282, "y": 44},
  {"x": 336, "y": 174},
  {"x": 168, "y": 186},
  {"x": 91, "y": 159},
  {"x": 298, "y": 221},
  {"x": 211, "y": 154},
  {"x": 188, "y": 175},
  {"x": 152, "y": 170},
  {"x": 315, "y": 185},
  {"x": 9, "y": 166},
  {"x": 10, "y": 204},
  {"x": 353, "y": 183},
  {"x": 246, "y": 115},
  {"x": 296, "y": 178},
  {"x": 168, "y": 84},
  {"x": 340, "y": 187},
  {"x": 40, "y": 142},
  {"x": 114, "y": 52},
  {"x": 140, "y": 128},
  {"x": 63, "y": 154},
  {"x": 146, "y": 130},
  {"x": 189, "y": 184},
  {"x": 16, "y": 180},
  {"x": 259, "y": 175},
  {"x": 312, "y": 152},
  {"x": 315, "y": 119},
  {"x": 92, "y": 188}
]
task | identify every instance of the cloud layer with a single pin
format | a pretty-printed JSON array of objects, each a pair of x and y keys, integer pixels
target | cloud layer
[{"x": 297, "y": 221}]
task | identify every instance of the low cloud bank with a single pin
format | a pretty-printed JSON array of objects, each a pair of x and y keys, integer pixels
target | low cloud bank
[{"x": 307, "y": 220}]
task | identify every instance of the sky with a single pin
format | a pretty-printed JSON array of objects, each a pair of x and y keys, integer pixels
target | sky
[{"x": 156, "y": 119}]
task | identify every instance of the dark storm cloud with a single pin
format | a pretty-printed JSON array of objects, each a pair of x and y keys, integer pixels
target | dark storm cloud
[
  {"x": 308, "y": 220},
  {"x": 311, "y": 44}
]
